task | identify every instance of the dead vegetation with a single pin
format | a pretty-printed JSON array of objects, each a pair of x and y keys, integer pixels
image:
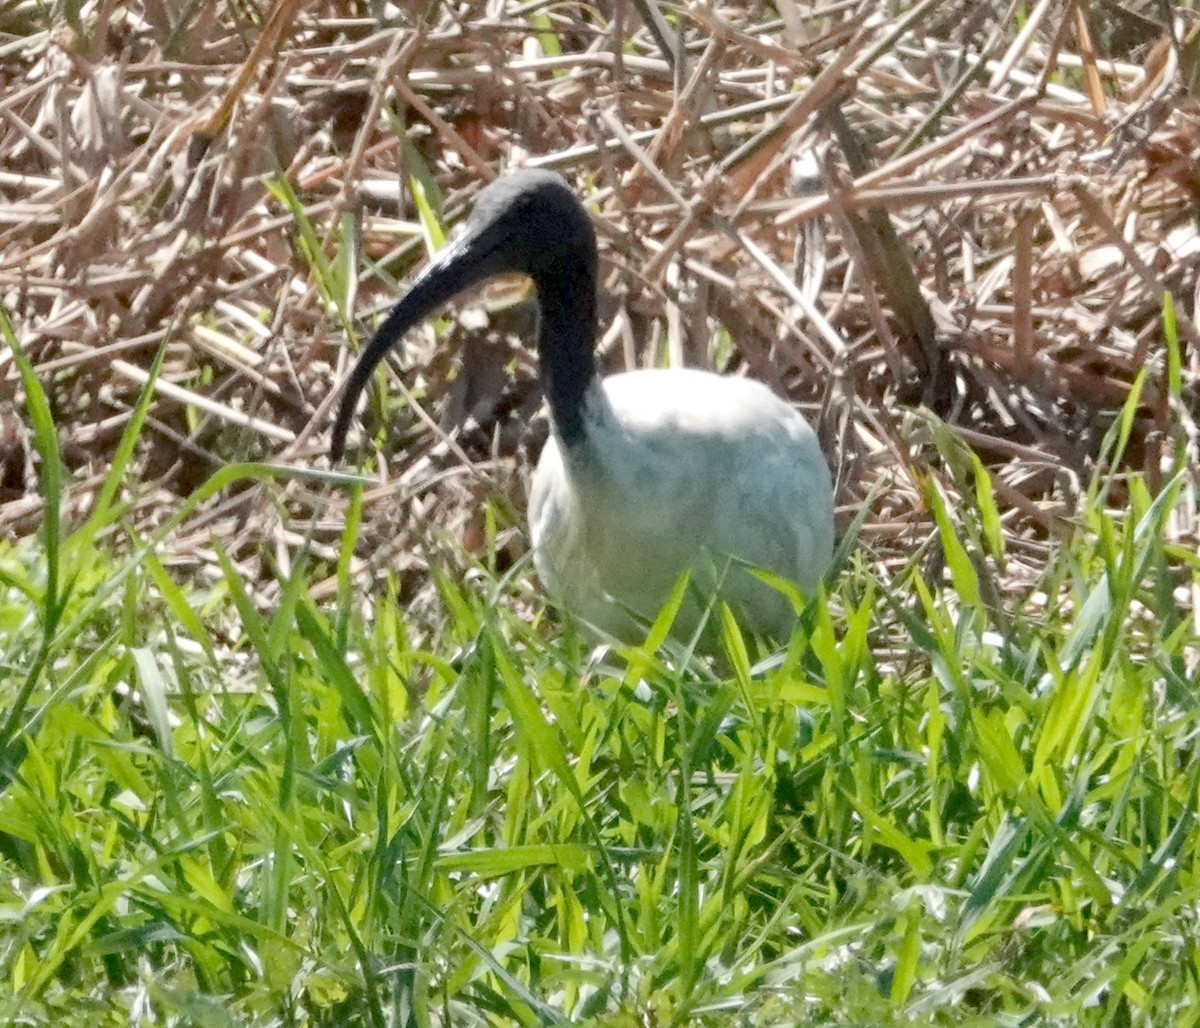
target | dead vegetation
[{"x": 960, "y": 212}]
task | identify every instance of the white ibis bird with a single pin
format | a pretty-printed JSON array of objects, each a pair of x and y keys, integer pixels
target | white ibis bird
[{"x": 647, "y": 474}]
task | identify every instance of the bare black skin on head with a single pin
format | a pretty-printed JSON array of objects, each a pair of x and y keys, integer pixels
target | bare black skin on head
[{"x": 528, "y": 222}]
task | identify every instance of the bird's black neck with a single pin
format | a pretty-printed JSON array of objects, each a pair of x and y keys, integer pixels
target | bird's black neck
[{"x": 566, "y": 336}]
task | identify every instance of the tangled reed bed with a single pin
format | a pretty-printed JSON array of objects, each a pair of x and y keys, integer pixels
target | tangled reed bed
[{"x": 949, "y": 216}]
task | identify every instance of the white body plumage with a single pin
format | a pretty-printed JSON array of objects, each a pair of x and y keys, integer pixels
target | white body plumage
[{"x": 683, "y": 471}]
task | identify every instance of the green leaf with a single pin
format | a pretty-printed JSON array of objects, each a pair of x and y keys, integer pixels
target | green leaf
[
  {"x": 153, "y": 686},
  {"x": 53, "y": 477}
]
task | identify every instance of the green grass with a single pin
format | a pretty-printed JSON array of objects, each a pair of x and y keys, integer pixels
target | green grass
[{"x": 936, "y": 807}]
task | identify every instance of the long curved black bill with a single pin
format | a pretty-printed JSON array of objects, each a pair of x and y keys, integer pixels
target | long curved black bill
[{"x": 475, "y": 256}]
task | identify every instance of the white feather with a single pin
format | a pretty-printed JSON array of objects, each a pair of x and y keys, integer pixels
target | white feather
[{"x": 682, "y": 470}]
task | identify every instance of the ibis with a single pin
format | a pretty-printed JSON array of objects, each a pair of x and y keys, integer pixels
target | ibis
[{"x": 648, "y": 475}]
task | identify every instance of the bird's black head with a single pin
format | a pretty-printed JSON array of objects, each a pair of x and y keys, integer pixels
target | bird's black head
[{"x": 528, "y": 222}]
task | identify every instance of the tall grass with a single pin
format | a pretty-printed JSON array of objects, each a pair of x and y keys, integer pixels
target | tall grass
[{"x": 944, "y": 803}]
